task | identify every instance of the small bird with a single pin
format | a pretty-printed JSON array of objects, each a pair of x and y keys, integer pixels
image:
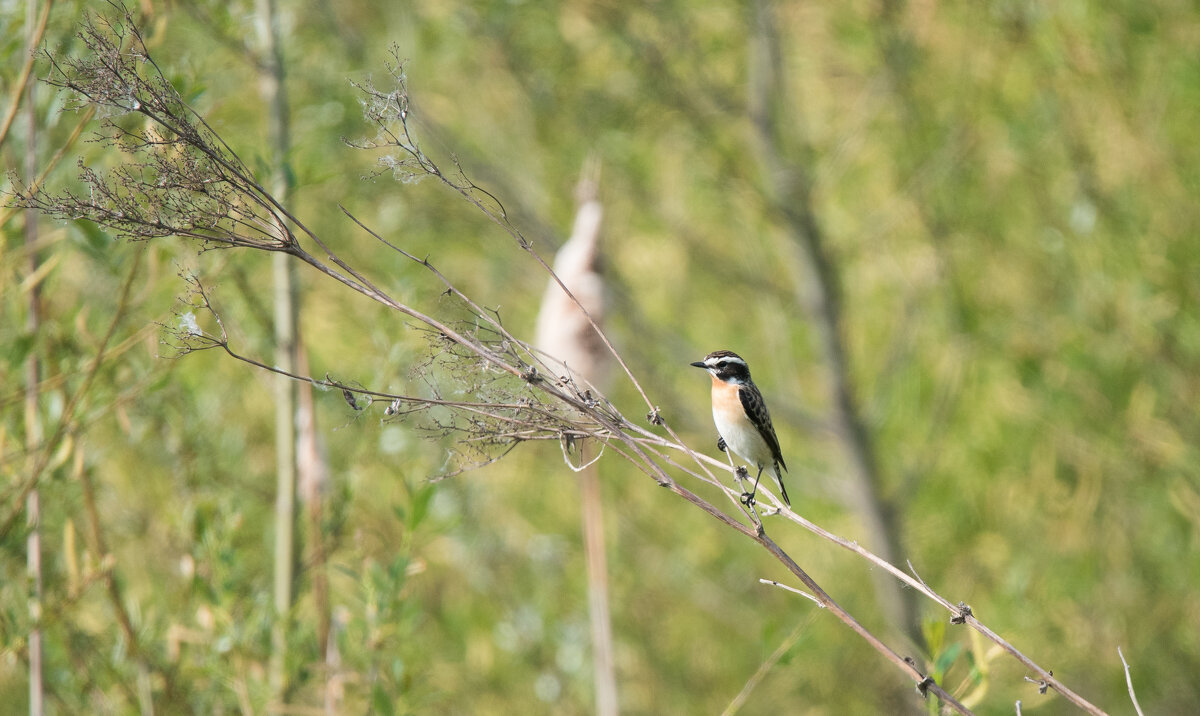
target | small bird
[{"x": 743, "y": 423}]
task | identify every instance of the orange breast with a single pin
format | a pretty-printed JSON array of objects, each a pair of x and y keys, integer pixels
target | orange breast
[{"x": 725, "y": 398}]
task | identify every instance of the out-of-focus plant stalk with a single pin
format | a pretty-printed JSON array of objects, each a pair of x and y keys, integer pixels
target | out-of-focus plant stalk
[
  {"x": 271, "y": 78},
  {"x": 788, "y": 183},
  {"x": 33, "y": 425}
]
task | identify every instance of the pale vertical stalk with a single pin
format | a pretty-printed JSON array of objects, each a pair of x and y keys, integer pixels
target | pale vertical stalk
[
  {"x": 603, "y": 660},
  {"x": 312, "y": 476},
  {"x": 33, "y": 426},
  {"x": 285, "y": 473},
  {"x": 273, "y": 92},
  {"x": 334, "y": 689}
]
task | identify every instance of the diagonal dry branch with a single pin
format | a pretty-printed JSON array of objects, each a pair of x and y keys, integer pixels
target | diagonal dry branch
[{"x": 609, "y": 426}]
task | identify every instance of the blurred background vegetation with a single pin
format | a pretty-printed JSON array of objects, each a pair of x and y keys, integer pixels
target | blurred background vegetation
[{"x": 1006, "y": 195}]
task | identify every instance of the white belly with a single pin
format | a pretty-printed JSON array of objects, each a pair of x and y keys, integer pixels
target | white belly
[{"x": 744, "y": 439}]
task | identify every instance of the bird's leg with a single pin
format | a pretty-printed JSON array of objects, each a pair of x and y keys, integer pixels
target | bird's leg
[
  {"x": 721, "y": 443},
  {"x": 748, "y": 497}
]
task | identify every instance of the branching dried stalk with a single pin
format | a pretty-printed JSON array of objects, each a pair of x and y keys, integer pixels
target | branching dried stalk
[{"x": 183, "y": 180}]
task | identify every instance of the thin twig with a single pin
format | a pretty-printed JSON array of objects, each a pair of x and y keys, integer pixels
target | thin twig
[
  {"x": 1129, "y": 683},
  {"x": 793, "y": 590},
  {"x": 769, "y": 663}
]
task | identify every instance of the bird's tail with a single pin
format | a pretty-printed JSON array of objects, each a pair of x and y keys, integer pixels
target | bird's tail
[{"x": 779, "y": 479}]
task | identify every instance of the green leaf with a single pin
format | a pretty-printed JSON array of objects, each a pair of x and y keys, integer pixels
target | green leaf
[
  {"x": 420, "y": 506},
  {"x": 19, "y": 348},
  {"x": 95, "y": 241},
  {"x": 946, "y": 658},
  {"x": 381, "y": 702},
  {"x": 935, "y": 634}
]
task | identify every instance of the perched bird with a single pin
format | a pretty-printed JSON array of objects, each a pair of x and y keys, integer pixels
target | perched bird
[{"x": 743, "y": 423}]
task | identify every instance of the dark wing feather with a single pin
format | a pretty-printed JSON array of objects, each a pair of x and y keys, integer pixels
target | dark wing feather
[{"x": 756, "y": 408}]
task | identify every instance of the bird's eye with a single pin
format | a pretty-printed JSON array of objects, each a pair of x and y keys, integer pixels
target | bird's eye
[{"x": 722, "y": 363}]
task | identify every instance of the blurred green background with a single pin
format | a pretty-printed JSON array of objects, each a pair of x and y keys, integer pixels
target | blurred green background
[{"x": 1006, "y": 192}]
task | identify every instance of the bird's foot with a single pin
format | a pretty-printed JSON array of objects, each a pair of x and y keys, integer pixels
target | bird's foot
[
  {"x": 721, "y": 444},
  {"x": 748, "y": 499}
]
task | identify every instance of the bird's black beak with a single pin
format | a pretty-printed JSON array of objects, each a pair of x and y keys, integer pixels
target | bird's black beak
[{"x": 698, "y": 364}]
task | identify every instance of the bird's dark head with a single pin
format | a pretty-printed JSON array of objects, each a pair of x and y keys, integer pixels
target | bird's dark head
[{"x": 725, "y": 366}]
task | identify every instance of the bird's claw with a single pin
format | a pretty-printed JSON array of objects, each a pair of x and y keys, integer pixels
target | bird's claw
[
  {"x": 721, "y": 444},
  {"x": 748, "y": 499}
]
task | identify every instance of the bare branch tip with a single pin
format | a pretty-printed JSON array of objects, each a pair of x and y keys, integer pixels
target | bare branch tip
[
  {"x": 793, "y": 590},
  {"x": 1042, "y": 684},
  {"x": 1129, "y": 684}
]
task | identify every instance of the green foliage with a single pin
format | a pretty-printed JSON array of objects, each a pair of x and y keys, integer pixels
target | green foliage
[{"x": 1007, "y": 191}]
